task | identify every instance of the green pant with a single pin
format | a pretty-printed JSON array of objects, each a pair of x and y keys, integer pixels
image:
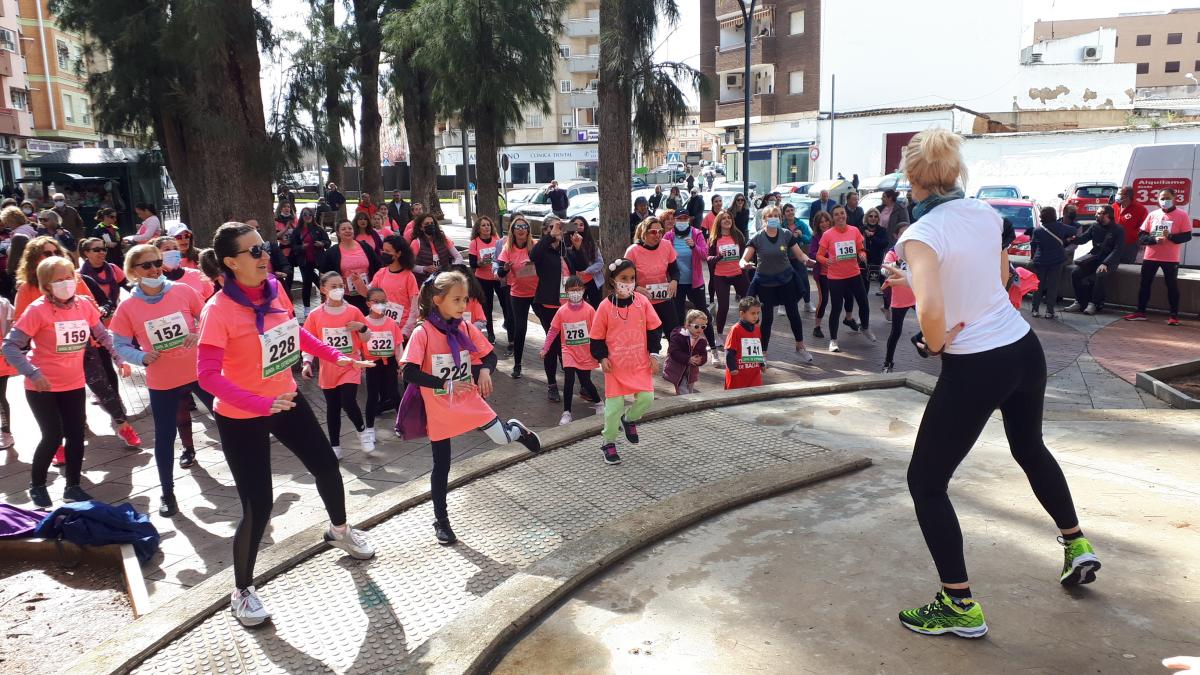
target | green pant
[{"x": 614, "y": 409}]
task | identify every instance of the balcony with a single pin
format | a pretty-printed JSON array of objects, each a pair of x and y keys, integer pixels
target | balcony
[
  {"x": 583, "y": 64},
  {"x": 760, "y": 104},
  {"x": 10, "y": 122},
  {"x": 728, "y": 9},
  {"x": 452, "y": 138},
  {"x": 582, "y": 98},
  {"x": 8, "y": 63},
  {"x": 762, "y": 50},
  {"x": 583, "y": 28}
]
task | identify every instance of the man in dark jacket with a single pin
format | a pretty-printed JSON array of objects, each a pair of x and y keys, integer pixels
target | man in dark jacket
[
  {"x": 822, "y": 204},
  {"x": 335, "y": 199},
  {"x": 559, "y": 201},
  {"x": 398, "y": 209},
  {"x": 69, "y": 218},
  {"x": 1108, "y": 241},
  {"x": 1048, "y": 250},
  {"x": 854, "y": 212},
  {"x": 656, "y": 198},
  {"x": 695, "y": 207}
]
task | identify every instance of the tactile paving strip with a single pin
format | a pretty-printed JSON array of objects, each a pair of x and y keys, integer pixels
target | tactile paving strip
[{"x": 332, "y": 614}]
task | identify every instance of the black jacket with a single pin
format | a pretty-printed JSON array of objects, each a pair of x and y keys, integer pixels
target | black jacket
[
  {"x": 695, "y": 207},
  {"x": 1107, "y": 243},
  {"x": 548, "y": 261},
  {"x": 399, "y": 212},
  {"x": 335, "y": 199},
  {"x": 332, "y": 262},
  {"x": 741, "y": 220},
  {"x": 297, "y": 244},
  {"x": 654, "y": 200}
]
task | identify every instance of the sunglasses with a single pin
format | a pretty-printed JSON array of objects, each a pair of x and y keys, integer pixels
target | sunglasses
[
  {"x": 698, "y": 326},
  {"x": 255, "y": 251},
  {"x": 183, "y": 237},
  {"x": 93, "y": 250},
  {"x": 520, "y": 226},
  {"x": 145, "y": 266},
  {"x": 654, "y": 231}
]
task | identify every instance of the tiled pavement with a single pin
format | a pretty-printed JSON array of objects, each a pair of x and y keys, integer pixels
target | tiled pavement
[{"x": 196, "y": 542}]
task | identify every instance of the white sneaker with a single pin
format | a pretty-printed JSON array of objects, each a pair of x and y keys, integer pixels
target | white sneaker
[
  {"x": 599, "y": 407},
  {"x": 352, "y": 541},
  {"x": 6, "y": 440},
  {"x": 1090, "y": 310},
  {"x": 805, "y": 356},
  {"x": 809, "y": 308},
  {"x": 565, "y": 419},
  {"x": 366, "y": 438},
  {"x": 247, "y": 608},
  {"x": 833, "y": 346},
  {"x": 337, "y": 451},
  {"x": 869, "y": 335}
]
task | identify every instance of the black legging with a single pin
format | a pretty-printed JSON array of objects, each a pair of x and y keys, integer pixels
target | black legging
[
  {"x": 1170, "y": 276},
  {"x": 5, "y": 411},
  {"x": 382, "y": 389},
  {"x": 593, "y": 294},
  {"x": 666, "y": 313},
  {"x": 439, "y": 478},
  {"x": 343, "y": 397},
  {"x": 823, "y": 285},
  {"x": 247, "y": 447},
  {"x": 60, "y": 416},
  {"x": 549, "y": 362},
  {"x": 971, "y": 386},
  {"x": 519, "y": 326},
  {"x": 491, "y": 291},
  {"x": 97, "y": 379},
  {"x": 773, "y": 296},
  {"x": 898, "y": 314},
  {"x": 309, "y": 279},
  {"x": 585, "y": 385},
  {"x": 505, "y": 296},
  {"x": 839, "y": 291},
  {"x": 696, "y": 295},
  {"x": 721, "y": 286}
]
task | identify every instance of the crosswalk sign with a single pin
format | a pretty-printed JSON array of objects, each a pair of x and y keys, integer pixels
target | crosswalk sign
[{"x": 673, "y": 157}]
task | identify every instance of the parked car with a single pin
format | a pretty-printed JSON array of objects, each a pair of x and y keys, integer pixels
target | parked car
[
  {"x": 1023, "y": 214},
  {"x": 537, "y": 208},
  {"x": 1087, "y": 197},
  {"x": 999, "y": 192},
  {"x": 784, "y": 188},
  {"x": 838, "y": 189},
  {"x": 892, "y": 181}
]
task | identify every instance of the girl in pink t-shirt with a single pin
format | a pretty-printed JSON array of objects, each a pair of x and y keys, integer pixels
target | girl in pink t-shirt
[
  {"x": 59, "y": 325},
  {"x": 571, "y": 324},
  {"x": 163, "y": 317},
  {"x": 438, "y": 360},
  {"x": 341, "y": 326},
  {"x": 625, "y": 334},
  {"x": 521, "y": 273},
  {"x": 384, "y": 344},
  {"x": 903, "y": 300}
]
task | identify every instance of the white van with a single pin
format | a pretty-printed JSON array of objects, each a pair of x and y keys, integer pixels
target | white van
[{"x": 1176, "y": 166}]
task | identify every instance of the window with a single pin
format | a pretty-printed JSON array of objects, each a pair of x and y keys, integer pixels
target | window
[
  {"x": 797, "y": 23},
  {"x": 85, "y": 113},
  {"x": 8, "y": 40},
  {"x": 796, "y": 82},
  {"x": 533, "y": 120},
  {"x": 1143, "y": 69},
  {"x": 564, "y": 51},
  {"x": 564, "y": 86},
  {"x": 1174, "y": 38},
  {"x": 64, "y": 55},
  {"x": 566, "y": 120},
  {"x": 19, "y": 98},
  {"x": 1171, "y": 67},
  {"x": 1197, "y": 68},
  {"x": 68, "y": 110},
  {"x": 1143, "y": 40}
]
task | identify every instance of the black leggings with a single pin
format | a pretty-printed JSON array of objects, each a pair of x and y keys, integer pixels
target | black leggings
[
  {"x": 823, "y": 285},
  {"x": 440, "y": 478},
  {"x": 97, "y": 378},
  {"x": 593, "y": 294},
  {"x": 585, "y": 386},
  {"x": 247, "y": 447},
  {"x": 773, "y": 296},
  {"x": 491, "y": 291},
  {"x": 666, "y": 313},
  {"x": 1170, "y": 276},
  {"x": 721, "y": 286},
  {"x": 840, "y": 292},
  {"x": 382, "y": 389},
  {"x": 505, "y": 296},
  {"x": 971, "y": 386},
  {"x": 309, "y": 279},
  {"x": 520, "y": 326},
  {"x": 61, "y": 417},
  {"x": 549, "y": 362},
  {"x": 696, "y": 295},
  {"x": 5, "y": 412},
  {"x": 898, "y": 314},
  {"x": 343, "y": 397}
]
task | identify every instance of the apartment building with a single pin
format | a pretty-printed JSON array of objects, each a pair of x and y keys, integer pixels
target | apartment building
[
  {"x": 57, "y": 74},
  {"x": 16, "y": 122},
  {"x": 1165, "y": 46},
  {"x": 687, "y": 140}
]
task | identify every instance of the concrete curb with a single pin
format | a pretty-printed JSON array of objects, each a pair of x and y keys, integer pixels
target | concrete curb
[
  {"x": 130, "y": 645},
  {"x": 472, "y": 642},
  {"x": 1151, "y": 381}
]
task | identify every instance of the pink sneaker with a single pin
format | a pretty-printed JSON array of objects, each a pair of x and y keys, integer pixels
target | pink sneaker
[
  {"x": 60, "y": 457},
  {"x": 130, "y": 436}
]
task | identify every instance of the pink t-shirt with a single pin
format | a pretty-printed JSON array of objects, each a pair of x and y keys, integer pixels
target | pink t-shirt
[
  {"x": 472, "y": 314},
  {"x": 486, "y": 253},
  {"x": 382, "y": 339},
  {"x": 331, "y": 328},
  {"x": 197, "y": 281},
  {"x": 231, "y": 327},
  {"x": 163, "y": 327},
  {"x": 401, "y": 289},
  {"x": 573, "y": 326},
  {"x": 625, "y": 332},
  {"x": 522, "y": 278},
  {"x": 652, "y": 268},
  {"x": 728, "y": 254},
  {"x": 902, "y": 296},
  {"x": 355, "y": 267},
  {"x": 60, "y": 335},
  {"x": 1161, "y": 223},
  {"x": 841, "y": 249},
  {"x": 454, "y": 412}
]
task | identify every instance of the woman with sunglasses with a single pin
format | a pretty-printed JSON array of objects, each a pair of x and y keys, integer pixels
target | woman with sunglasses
[
  {"x": 173, "y": 269},
  {"x": 356, "y": 261},
  {"x": 59, "y": 325},
  {"x": 162, "y": 316},
  {"x": 741, "y": 215},
  {"x": 104, "y": 279},
  {"x": 657, "y": 269},
  {"x": 309, "y": 243},
  {"x": 50, "y": 225},
  {"x": 106, "y": 231},
  {"x": 481, "y": 255},
  {"x": 585, "y": 256},
  {"x": 521, "y": 273},
  {"x": 432, "y": 249},
  {"x": 249, "y": 342},
  {"x": 190, "y": 255}
]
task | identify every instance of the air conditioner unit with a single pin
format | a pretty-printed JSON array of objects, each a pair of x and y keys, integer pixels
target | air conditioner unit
[
  {"x": 1035, "y": 57},
  {"x": 1092, "y": 53},
  {"x": 565, "y": 131},
  {"x": 734, "y": 80}
]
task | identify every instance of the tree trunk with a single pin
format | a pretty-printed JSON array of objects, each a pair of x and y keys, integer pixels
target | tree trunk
[
  {"x": 487, "y": 170},
  {"x": 366, "y": 18},
  {"x": 335, "y": 154},
  {"x": 615, "y": 142},
  {"x": 422, "y": 158}
]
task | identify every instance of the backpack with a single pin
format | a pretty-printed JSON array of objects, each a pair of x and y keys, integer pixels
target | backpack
[{"x": 95, "y": 523}]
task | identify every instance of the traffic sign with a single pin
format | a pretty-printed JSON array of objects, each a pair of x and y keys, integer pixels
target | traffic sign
[
  {"x": 673, "y": 157},
  {"x": 813, "y": 153}
]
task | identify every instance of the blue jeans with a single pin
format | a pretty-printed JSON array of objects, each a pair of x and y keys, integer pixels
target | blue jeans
[{"x": 165, "y": 404}]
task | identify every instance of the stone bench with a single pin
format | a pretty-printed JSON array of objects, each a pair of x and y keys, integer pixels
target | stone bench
[{"x": 1121, "y": 289}]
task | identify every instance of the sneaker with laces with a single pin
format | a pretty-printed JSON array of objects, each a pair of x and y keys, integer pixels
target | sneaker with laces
[
  {"x": 60, "y": 457},
  {"x": 805, "y": 355},
  {"x": 366, "y": 439},
  {"x": 129, "y": 435},
  {"x": 552, "y": 394},
  {"x": 74, "y": 493},
  {"x": 442, "y": 530},
  {"x": 527, "y": 438},
  {"x": 169, "y": 506},
  {"x": 630, "y": 429},
  {"x": 352, "y": 541},
  {"x": 817, "y": 332},
  {"x": 1091, "y": 309},
  {"x": 866, "y": 332},
  {"x": 887, "y": 368},
  {"x": 1173, "y": 321},
  {"x": 610, "y": 453},
  {"x": 6, "y": 440},
  {"x": 1080, "y": 563},
  {"x": 1073, "y": 307},
  {"x": 247, "y": 608},
  {"x": 833, "y": 346},
  {"x": 565, "y": 419},
  {"x": 1135, "y": 316},
  {"x": 809, "y": 308},
  {"x": 187, "y": 458},
  {"x": 516, "y": 372},
  {"x": 851, "y": 324},
  {"x": 40, "y": 496},
  {"x": 963, "y": 618}
]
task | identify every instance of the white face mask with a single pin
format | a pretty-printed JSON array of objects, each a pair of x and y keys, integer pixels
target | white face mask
[
  {"x": 625, "y": 289},
  {"x": 682, "y": 227},
  {"x": 171, "y": 259},
  {"x": 378, "y": 307},
  {"x": 63, "y": 290},
  {"x": 575, "y": 297},
  {"x": 153, "y": 282},
  {"x": 336, "y": 294},
  {"x": 27, "y": 211},
  {"x": 59, "y": 203},
  {"x": 1166, "y": 203}
]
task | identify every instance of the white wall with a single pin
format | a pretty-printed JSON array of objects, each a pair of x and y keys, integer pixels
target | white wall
[
  {"x": 1070, "y": 49},
  {"x": 1067, "y": 87},
  {"x": 859, "y": 142}
]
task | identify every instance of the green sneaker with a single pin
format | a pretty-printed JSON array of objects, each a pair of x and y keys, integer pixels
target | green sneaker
[
  {"x": 1080, "y": 563},
  {"x": 943, "y": 616}
]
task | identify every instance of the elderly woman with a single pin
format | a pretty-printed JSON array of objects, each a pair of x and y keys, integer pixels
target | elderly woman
[
  {"x": 50, "y": 225},
  {"x": 957, "y": 269}
]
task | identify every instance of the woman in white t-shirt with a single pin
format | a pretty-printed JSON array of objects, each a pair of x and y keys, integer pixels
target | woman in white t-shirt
[
  {"x": 990, "y": 360},
  {"x": 150, "y": 228}
]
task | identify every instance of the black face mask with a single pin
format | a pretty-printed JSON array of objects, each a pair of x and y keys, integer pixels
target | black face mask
[
  {"x": 428, "y": 229},
  {"x": 285, "y": 217},
  {"x": 386, "y": 258}
]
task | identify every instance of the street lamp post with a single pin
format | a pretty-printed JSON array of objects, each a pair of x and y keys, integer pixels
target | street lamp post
[{"x": 747, "y": 13}]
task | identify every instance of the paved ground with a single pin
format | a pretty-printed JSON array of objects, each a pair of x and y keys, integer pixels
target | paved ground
[{"x": 810, "y": 582}]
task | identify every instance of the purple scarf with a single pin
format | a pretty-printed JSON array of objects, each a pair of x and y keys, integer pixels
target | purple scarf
[
  {"x": 231, "y": 288},
  {"x": 454, "y": 335}
]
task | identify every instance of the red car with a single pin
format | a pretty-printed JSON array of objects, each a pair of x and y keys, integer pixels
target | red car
[
  {"x": 1088, "y": 198},
  {"x": 1022, "y": 213}
]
